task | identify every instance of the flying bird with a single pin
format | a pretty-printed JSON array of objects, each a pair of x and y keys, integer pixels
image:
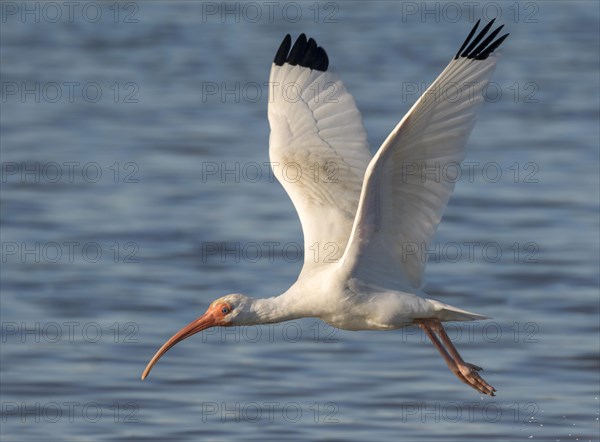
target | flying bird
[{"x": 368, "y": 212}]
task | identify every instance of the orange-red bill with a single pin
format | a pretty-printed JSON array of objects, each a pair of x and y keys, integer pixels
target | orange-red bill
[{"x": 202, "y": 323}]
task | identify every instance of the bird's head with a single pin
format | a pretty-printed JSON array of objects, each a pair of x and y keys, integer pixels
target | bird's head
[{"x": 229, "y": 310}]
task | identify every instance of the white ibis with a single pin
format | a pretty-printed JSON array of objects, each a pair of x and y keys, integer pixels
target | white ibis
[{"x": 365, "y": 214}]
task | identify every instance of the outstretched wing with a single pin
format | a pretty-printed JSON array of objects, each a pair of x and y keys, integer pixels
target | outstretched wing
[
  {"x": 318, "y": 147},
  {"x": 410, "y": 179}
]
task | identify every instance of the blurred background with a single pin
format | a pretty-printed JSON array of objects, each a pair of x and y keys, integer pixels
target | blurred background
[{"x": 135, "y": 190}]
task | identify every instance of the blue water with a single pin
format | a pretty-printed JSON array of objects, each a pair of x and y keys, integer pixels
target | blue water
[{"x": 134, "y": 192}]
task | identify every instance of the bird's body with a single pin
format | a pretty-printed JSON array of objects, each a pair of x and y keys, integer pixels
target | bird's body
[
  {"x": 365, "y": 219},
  {"x": 346, "y": 303},
  {"x": 350, "y": 306}
]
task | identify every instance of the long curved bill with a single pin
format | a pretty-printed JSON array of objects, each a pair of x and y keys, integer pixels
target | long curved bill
[{"x": 203, "y": 322}]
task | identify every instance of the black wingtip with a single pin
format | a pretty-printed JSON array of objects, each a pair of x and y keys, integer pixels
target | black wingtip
[
  {"x": 322, "y": 61},
  {"x": 481, "y": 46},
  {"x": 485, "y": 43},
  {"x": 305, "y": 53},
  {"x": 283, "y": 50},
  {"x": 466, "y": 42},
  {"x": 297, "y": 51},
  {"x": 491, "y": 48}
]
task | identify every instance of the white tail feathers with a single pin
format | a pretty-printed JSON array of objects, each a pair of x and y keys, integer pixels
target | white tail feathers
[{"x": 446, "y": 312}]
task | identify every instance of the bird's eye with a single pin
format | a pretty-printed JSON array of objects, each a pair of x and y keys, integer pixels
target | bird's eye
[{"x": 225, "y": 310}]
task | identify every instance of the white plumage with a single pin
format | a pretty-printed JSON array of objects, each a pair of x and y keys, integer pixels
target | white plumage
[{"x": 363, "y": 217}]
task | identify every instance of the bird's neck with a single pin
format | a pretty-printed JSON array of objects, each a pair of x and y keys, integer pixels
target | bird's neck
[{"x": 277, "y": 309}]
